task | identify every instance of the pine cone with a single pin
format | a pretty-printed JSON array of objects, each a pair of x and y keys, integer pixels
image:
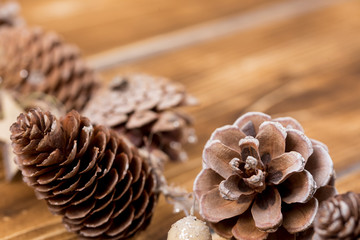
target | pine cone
[
  {"x": 141, "y": 107},
  {"x": 339, "y": 218},
  {"x": 36, "y": 61},
  {"x": 263, "y": 178},
  {"x": 9, "y": 15},
  {"x": 88, "y": 174}
]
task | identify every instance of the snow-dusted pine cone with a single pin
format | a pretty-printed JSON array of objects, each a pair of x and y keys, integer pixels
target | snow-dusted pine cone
[
  {"x": 338, "y": 218},
  {"x": 32, "y": 60},
  {"x": 263, "y": 178},
  {"x": 143, "y": 108},
  {"x": 88, "y": 174}
]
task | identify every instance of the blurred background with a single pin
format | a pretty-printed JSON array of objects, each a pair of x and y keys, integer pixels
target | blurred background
[{"x": 297, "y": 58}]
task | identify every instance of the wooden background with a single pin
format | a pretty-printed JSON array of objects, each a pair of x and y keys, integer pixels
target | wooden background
[{"x": 298, "y": 58}]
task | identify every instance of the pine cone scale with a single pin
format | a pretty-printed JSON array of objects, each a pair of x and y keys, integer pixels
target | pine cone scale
[
  {"x": 123, "y": 186},
  {"x": 90, "y": 232},
  {"x": 266, "y": 210},
  {"x": 141, "y": 204},
  {"x": 122, "y": 203},
  {"x": 107, "y": 184},
  {"x": 297, "y": 141},
  {"x": 96, "y": 219},
  {"x": 49, "y": 177},
  {"x": 297, "y": 215},
  {"x": 288, "y": 163},
  {"x": 317, "y": 166},
  {"x": 121, "y": 222},
  {"x": 139, "y": 186},
  {"x": 305, "y": 188},
  {"x": 81, "y": 210},
  {"x": 74, "y": 170}
]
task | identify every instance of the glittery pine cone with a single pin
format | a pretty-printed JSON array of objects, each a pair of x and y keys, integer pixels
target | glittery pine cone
[
  {"x": 36, "y": 61},
  {"x": 88, "y": 174},
  {"x": 338, "y": 218},
  {"x": 263, "y": 178},
  {"x": 143, "y": 108}
]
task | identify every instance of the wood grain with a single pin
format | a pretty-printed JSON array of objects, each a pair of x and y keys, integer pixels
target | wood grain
[
  {"x": 305, "y": 66},
  {"x": 99, "y": 25},
  {"x": 204, "y": 32},
  {"x": 350, "y": 182}
]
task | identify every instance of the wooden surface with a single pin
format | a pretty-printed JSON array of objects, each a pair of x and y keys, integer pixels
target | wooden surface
[{"x": 304, "y": 64}]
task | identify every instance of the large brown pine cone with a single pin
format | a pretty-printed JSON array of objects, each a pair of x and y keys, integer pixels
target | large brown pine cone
[
  {"x": 263, "y": 178},
  {"x": 142, "y": 108},
  {"x": 88, "y": 174},
  {"x": 338, "y": 218},
  {"x": 35, "y": 61},
  {"x": 9, "y": 15}
]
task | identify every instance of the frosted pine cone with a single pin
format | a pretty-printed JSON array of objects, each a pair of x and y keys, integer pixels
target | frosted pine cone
[
  {"x": 9, "y": 15},
  {"x": 88, "y": 174},
  {"x": 263, "y": 178},
  {"x": 339, "y": 218},
  {"x": 142, "y": 108},
  {"x": 36, "y": 61}
]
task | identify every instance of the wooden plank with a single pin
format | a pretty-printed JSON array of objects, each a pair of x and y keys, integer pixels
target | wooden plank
[
  {"x": 349, "y": 182},
  {"x": 22, "y": 216},
  {"x": 295, "y": 67},
  {"x": 99, "y": 25},
  {"x": 204, "y": 32}
]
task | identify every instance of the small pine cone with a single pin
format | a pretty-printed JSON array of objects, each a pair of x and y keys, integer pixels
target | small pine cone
[
  {"x": 338, "y": 218},
  {"x": 9, "y": 15},
  {"x": 36, "y": 61},
  {"x": 263, "y": 178},
  {"x": 88, "y": 174},
  {"x": 142, "y": 108}
]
